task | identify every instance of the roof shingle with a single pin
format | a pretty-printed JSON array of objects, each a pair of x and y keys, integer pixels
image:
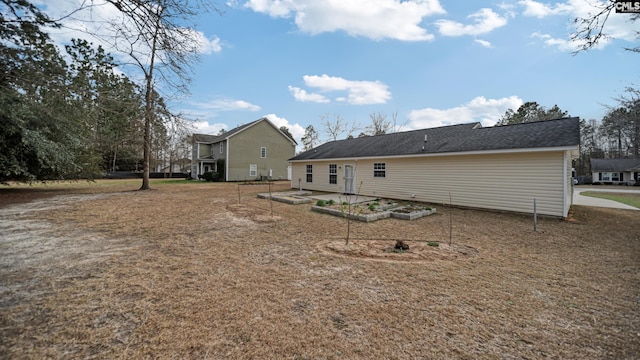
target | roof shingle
[
  {"x": 455, "y": 138},
  {"x": 615, "y": 165}
]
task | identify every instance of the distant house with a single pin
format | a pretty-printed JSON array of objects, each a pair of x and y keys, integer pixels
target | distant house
[
  {"x": 501, "y": 167},
  {"x": 177, "y": 166},
  {"x": 257, "y": 150},
  {"x": 615, "y": 171}
]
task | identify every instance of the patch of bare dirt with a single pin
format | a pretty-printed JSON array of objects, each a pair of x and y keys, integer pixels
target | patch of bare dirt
[
  {"x": 208, "y": 270},
  {"x": 386, "y": 250}
]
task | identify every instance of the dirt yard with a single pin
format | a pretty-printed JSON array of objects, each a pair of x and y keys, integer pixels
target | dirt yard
[{"x": 209, "y": 271}]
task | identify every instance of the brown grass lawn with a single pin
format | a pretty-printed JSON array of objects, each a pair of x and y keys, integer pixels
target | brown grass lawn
[{"x": 99, "y": 270}]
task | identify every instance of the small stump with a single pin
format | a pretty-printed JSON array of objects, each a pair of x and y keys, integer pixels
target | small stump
[{"x": 400, "y": 245}]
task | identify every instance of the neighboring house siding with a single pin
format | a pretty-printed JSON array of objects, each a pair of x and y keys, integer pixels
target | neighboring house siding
[
  {"x": 204, "y": 150},
  {"x": 244, "y": 149},
  {"x": 501, "y": 181}
]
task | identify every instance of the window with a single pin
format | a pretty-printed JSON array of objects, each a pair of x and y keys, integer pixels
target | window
[
  {"x": 333, "y": 173},
  {"x": 221, "y": 148},
  {"x": 605, "y": 176},
  {"x": 638, "y": 176},
  {"x": 615, "y": 176},
  {"x": 263, "y": 152},
  {"x": 379, "y": 169},
  {"x": 253, "y": 170},
  {"x": 309, "y": 173}
]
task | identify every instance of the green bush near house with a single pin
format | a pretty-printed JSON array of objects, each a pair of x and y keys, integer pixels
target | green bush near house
[
  {"x": 211, "y": 176},
  {"x": 321, "y": 203}
]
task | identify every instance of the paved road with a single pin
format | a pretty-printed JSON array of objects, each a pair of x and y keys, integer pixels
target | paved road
[{"x": 579, "y": 199}]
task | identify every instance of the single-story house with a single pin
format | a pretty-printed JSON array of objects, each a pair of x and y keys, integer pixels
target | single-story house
[
  {"x": 253, "y": 151},
  {"x": 615, "y": 171},
  {"x": 500, "y": 167}
]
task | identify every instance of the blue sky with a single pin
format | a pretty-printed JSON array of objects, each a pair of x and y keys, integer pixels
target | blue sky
[{"x": 432, "y": 62}]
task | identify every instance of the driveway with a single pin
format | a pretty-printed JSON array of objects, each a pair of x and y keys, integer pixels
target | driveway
[{"x": 579, "y": 199}]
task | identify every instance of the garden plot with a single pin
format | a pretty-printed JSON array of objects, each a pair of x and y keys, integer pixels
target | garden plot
[{"x": 372, "y": 210}]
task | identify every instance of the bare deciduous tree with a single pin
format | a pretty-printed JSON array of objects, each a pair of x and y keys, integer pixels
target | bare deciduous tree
[
  {"x": 335, "y": 125},
  {"x": 590, "y": 29},
  {"x": 379, "y": 124},
  {"x": 159, "y": 38}
]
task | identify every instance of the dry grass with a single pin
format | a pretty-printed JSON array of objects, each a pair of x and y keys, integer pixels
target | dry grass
[{"x": 184, "y": 271}]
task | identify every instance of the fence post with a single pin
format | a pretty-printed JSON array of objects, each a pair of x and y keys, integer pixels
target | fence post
[
  {"x": 535, "y": 215},
  {"x": 270, "y": 199}
]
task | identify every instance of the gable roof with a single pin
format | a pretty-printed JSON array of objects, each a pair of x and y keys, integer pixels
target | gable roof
[
  {"x": 616, "y": 165},
  {"x": 205, "y": 138},
  {"x": 455, "y": 138}
]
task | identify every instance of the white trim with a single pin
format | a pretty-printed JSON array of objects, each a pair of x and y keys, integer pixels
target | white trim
[{"x": 480, "y": 152}]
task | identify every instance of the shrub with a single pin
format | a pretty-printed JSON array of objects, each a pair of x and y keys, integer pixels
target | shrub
[
  {"x": 211, "y": 176},
  {"x": 331, "y": 202},
  {"x": 372, "y": 207},
  {"x": 433, "y": 243},
  {"x": 321, "y": 203}
]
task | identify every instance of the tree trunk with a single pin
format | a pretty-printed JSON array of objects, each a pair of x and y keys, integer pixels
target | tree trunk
[
  {"x": 115, "y": 154},
  {"x": 148, "y": 110}
]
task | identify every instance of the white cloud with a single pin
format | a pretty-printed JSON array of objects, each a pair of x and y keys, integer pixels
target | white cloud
[
  {"x": 296, "y": 129},
  {"x": 382, "y": 19},
  {"x": 485, "y": 20},
  {"x": 358, "y": 92},
  {"x": 615, "y": 27},
  {"x": 93, "y": 23},
  {"x": 207, "y": 46},
  {"x": 302, "y": 95},
  {"x": 484, "y": 43},
  {"x": 541, "y": 10},
  {"x": 227, "y": 105},
  {"x": 564, "y": 44},
  {"x": 204, "y": 127},
  {"x": 486, "y": 111}
]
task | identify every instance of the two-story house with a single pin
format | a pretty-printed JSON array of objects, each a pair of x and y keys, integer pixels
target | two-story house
[{"x": 253, "y": 151}]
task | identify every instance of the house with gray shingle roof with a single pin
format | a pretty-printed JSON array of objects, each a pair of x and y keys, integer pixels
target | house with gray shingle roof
[
  {"x": 615, "y": 171},
  {"x": 500, "y": 167},
  {"x": 252, "y": 151}
]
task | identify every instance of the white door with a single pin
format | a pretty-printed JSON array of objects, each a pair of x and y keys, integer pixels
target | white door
[
  {"x": 348, "y": 179},
  {"x": 289, "y": 173}
]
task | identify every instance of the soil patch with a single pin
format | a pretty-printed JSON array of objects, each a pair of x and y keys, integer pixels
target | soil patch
[{"x": 385, "y": 250}]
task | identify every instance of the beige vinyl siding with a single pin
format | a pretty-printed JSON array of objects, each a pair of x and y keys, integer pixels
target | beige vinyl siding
[
  {"x": 495, "y": 181},
  {"x": 320, "y": 176}
]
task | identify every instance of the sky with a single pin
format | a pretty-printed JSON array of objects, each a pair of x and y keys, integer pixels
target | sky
[{"x": 431, "y": 63}]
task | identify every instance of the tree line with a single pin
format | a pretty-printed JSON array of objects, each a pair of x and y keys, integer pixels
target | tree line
[{"x": 74, "y": 113}]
